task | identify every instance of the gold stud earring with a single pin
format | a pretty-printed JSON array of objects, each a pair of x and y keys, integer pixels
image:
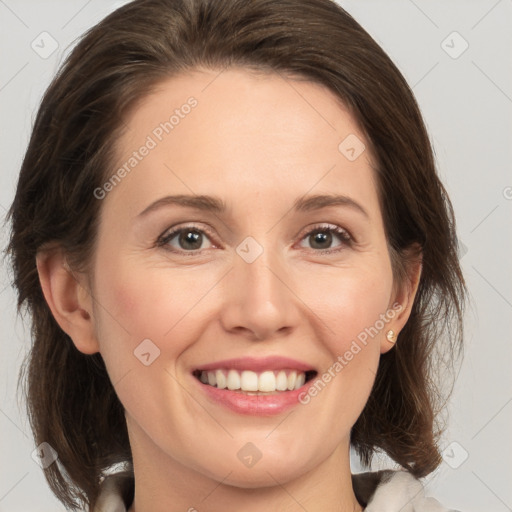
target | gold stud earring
[{"x": 391, "y": 336}]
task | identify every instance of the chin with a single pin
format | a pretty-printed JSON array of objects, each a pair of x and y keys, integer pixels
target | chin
[
  {"x": 254, "y": 479},
  {"x": 267, "y": 472}
]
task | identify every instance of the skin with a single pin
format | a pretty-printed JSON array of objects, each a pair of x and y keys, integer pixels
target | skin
[{"x": 259, "y": 142}]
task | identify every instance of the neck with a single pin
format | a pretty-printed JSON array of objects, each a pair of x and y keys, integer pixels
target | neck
[{"x": 163, "y": 484}]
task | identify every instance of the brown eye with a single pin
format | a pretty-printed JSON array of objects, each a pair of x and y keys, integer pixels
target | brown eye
[
  {"x": 322, "y": 238},
  {"x": 190, "y": 240},
  {"x": 185, "y": 239}
]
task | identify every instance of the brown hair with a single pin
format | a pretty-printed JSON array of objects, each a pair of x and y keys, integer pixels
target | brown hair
[{"x": 72, "y": 404}]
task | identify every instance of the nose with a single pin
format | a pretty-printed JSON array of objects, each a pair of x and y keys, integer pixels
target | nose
[{"x": 259, "y": 300}]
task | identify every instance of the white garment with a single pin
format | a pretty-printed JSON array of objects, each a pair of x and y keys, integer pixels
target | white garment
[
  {"x": 383, "y": 491},
  {"x": 400, "y": 491}
]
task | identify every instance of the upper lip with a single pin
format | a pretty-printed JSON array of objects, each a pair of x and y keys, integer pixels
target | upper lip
[{"x": 259, "y": 364}]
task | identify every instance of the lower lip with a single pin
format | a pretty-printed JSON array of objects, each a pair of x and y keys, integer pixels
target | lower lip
[{"x": 259, "y": 405}]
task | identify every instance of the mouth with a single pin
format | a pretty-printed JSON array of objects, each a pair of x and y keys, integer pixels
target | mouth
[
  {"x": 258, "y": 386},
  {"x": 248, "y": 382}
]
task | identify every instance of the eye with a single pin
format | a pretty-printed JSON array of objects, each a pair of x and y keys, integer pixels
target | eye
[
  {"x": 184, "y": 239},
  {"x": 190, "y": 239},
  {"x": 321, "y": 238}
]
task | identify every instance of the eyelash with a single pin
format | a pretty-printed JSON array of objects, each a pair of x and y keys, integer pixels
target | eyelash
[{"x": 343, "y": 235}]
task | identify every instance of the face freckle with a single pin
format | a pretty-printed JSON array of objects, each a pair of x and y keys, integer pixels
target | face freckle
[{"x": 256, "y": 144}]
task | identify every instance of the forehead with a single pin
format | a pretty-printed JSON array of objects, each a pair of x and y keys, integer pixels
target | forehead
[{"x": 205, "y": 132}]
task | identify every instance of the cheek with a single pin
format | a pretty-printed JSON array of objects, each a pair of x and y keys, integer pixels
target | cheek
[
  {"x": 138, "y": 303},
  {"x": 346, "y": 305},
  {"x": 350, "y": 303},
  {"x": 143, "y": 328}
]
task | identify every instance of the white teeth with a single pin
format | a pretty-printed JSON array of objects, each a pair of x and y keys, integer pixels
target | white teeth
[
  {"x": 221, "y": 379},
  {"x": 301, "y": 379},
  {"x": 267, "y": 381},
  {"x": 292, "y": 377},
  {"x": 249, "y": 381},
  {"x": 233, "y": 381},
  {"x": 281, "y": 381}
]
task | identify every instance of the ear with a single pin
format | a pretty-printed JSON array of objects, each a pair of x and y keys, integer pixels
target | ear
[
  {"x": 403, "y": 296},
  {"x": 68, "y": 298}
]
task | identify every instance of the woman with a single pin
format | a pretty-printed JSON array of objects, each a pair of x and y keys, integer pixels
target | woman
[{"x": 239, "y": 261}]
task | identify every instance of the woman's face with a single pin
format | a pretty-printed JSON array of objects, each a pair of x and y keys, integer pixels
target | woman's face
[{"x": 275, "y": 274}]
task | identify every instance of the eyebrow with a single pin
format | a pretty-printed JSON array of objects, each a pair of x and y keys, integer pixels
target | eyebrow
[
  {"x": 204, "y": 203},
  {"x": 216, "y": 205}
]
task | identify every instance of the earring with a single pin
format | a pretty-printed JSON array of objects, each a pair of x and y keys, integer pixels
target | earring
[{"x": 391, "y": 336}]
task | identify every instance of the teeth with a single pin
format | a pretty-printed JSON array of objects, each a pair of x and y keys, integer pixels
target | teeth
[
  {"x": 291, "y": 380},
  {"x": 281, "y": 381},
  {"x": 221, "y": 379},
  {"x": 249, "y": 381},
  {"x": 233, "y": 380},
  {"x": 267, "y": 381}
]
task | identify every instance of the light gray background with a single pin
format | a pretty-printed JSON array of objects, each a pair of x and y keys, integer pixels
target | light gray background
[{"x": 467, "y": 105}]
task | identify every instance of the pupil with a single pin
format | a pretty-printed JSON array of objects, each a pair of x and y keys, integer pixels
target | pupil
[
  {"x": 190, "y": 239},
  {"x": 322, "y": 237}
]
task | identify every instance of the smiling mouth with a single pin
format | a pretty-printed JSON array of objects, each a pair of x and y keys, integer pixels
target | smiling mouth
[{"x": 255, "y": 383}]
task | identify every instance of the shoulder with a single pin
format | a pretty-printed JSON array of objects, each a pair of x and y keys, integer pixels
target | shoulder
[{"x": 393, "y": 491}]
